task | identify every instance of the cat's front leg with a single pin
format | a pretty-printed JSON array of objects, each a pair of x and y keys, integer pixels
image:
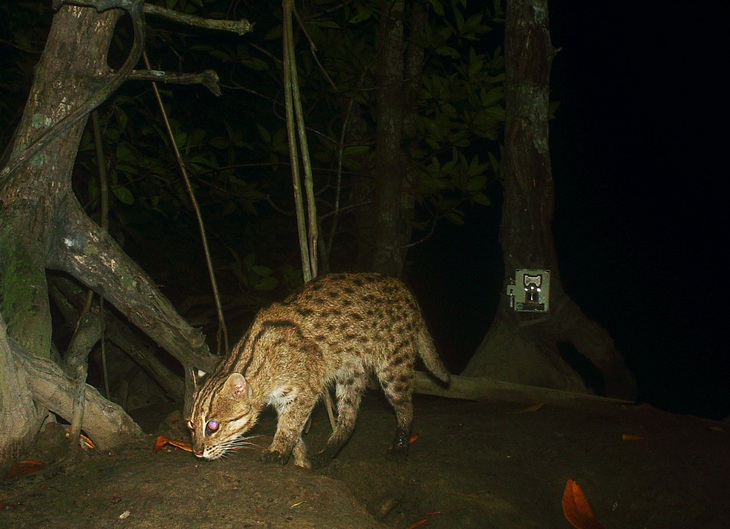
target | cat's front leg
[
  {"x": 287, "y": 440},
  {"x": 299, "y": 451}
]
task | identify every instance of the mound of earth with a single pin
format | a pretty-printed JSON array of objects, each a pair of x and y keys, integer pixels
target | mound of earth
[{"x": 472, "y": 465}]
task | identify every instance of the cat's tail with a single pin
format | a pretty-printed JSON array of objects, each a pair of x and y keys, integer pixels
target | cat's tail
[{"x": 429, "y": 355}]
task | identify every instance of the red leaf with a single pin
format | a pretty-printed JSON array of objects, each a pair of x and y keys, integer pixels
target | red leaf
[
  {"x": 576, "y": 508},
  {"x": 160, "y": 443},
  {"x": 24, "y": 468},
  {"x": 419, "y": 523},
  {"x": 163, "y": 441}
]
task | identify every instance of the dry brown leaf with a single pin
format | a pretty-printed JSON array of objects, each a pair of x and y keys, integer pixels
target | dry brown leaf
[
  {"x": 576, "y": 508},
  {"x": 88, "y": 442},
  {"x": 24, "y": 468}
]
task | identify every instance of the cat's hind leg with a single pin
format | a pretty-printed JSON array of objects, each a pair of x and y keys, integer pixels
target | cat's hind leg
[{"x": 397, "y": 381}]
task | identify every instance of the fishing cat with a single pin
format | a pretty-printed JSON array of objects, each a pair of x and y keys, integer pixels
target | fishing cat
[{"x": 338, "y": 329}]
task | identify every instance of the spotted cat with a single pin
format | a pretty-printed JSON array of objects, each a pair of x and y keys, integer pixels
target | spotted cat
[{"x": 339, "y": 330}]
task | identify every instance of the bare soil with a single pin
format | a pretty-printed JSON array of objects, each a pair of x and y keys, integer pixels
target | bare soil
[{"x": 473, "y": 465}]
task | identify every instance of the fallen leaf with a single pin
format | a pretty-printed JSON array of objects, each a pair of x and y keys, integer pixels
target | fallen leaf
[
  {"x": 84, "y": 439},
  {"x": 576, "y": 508},
  {"x": 633, "y": 437},
  {"x": 24, "y": 468},
  {"x": 715, "y": 428},
  {"x": 88, "y": 442},
  {"x": 533, "y": 408},
  {"x": 419, "y": 523},
  {"x": 162, "y": 441}
]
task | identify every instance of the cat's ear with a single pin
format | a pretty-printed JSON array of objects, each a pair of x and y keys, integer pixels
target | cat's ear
[
  {"x": 198, "y": 376},
  {"x": 237, "y": 386}
]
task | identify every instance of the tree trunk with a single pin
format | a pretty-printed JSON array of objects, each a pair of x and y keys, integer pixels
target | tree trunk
[
  {"x": 43, "y": 226},
  {"x": 524, "y": 347},
  {"x": 398, "y": 73},
  {"x": 104, "y": 422},
  {"x": 20, "y": 418}
]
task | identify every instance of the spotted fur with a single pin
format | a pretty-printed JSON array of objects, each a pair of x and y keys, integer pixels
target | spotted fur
[{"x": 338, "y": 330}]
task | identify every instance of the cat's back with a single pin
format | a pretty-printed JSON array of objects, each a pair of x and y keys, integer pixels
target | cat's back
[
  {"x": 363, "y": 295},
  {"x": 351, "y": 306}
]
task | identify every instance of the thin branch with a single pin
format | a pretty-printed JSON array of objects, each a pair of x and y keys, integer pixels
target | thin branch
[
  {"x": 222, "y": 331},
  {"x": 313, "y": 49},
  {"x": 295, "y": 119},
  {"x": 239, "y": 27},
  {"x": 425, "y": 237},
  {"x": 89, "y": 332},
  {"x": 104, "y": 194},
  {"x": 208, "y": 78},
  {"x": 289, "y": 83}
]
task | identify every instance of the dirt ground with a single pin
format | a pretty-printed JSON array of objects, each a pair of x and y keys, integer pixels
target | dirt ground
[{"x": 473, "y": 465}]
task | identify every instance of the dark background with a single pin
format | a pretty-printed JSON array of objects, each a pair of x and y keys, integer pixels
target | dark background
[
  {"x": 638, "y": 146},
  {"x": 638, "y": 150}
]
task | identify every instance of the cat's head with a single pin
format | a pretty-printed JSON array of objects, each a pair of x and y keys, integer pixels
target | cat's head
[{"x": 222, "y": 412}]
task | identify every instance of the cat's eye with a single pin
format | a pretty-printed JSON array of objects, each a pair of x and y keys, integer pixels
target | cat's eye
[{"x": 212, "y": 425}]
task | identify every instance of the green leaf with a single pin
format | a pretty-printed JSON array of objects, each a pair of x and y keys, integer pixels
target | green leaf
[
  {"x": 324, "y": 24},
  {"x": 363, "y": 14},
  {"x": 476, "y": 63},
  {"x": 455, "y": 216},
  {"x": 356, "y": 150},
  {"x": 255, "y": 63},
  {"x": 481, "y": 199},
  {"x": 477, "y": 183},
  {"x": 121, "y": 117},
  {"x": 125, "y": 154},
  {"x": 459, "y": 20},
  {"x": 219, "y": 142},
  {"x": 438, "y": 7},
  {"x": 266, "y": 284},
  {"x": 123, "y": 194},
  {"x": 261, "y": 270},
  {"x": 263, "y": 133}
]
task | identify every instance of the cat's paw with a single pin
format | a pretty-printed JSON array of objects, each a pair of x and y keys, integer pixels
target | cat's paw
[
  {"x": 274, "y": 456},
  {"x": 399, "y": 449}
]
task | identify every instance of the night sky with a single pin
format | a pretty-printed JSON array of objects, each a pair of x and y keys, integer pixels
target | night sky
[{"x": 641, "y": 195}]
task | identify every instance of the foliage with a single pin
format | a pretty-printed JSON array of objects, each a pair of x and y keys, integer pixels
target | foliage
[
  {"x": 234, "y": 147},
  {"x": 23, "y": 29}
]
